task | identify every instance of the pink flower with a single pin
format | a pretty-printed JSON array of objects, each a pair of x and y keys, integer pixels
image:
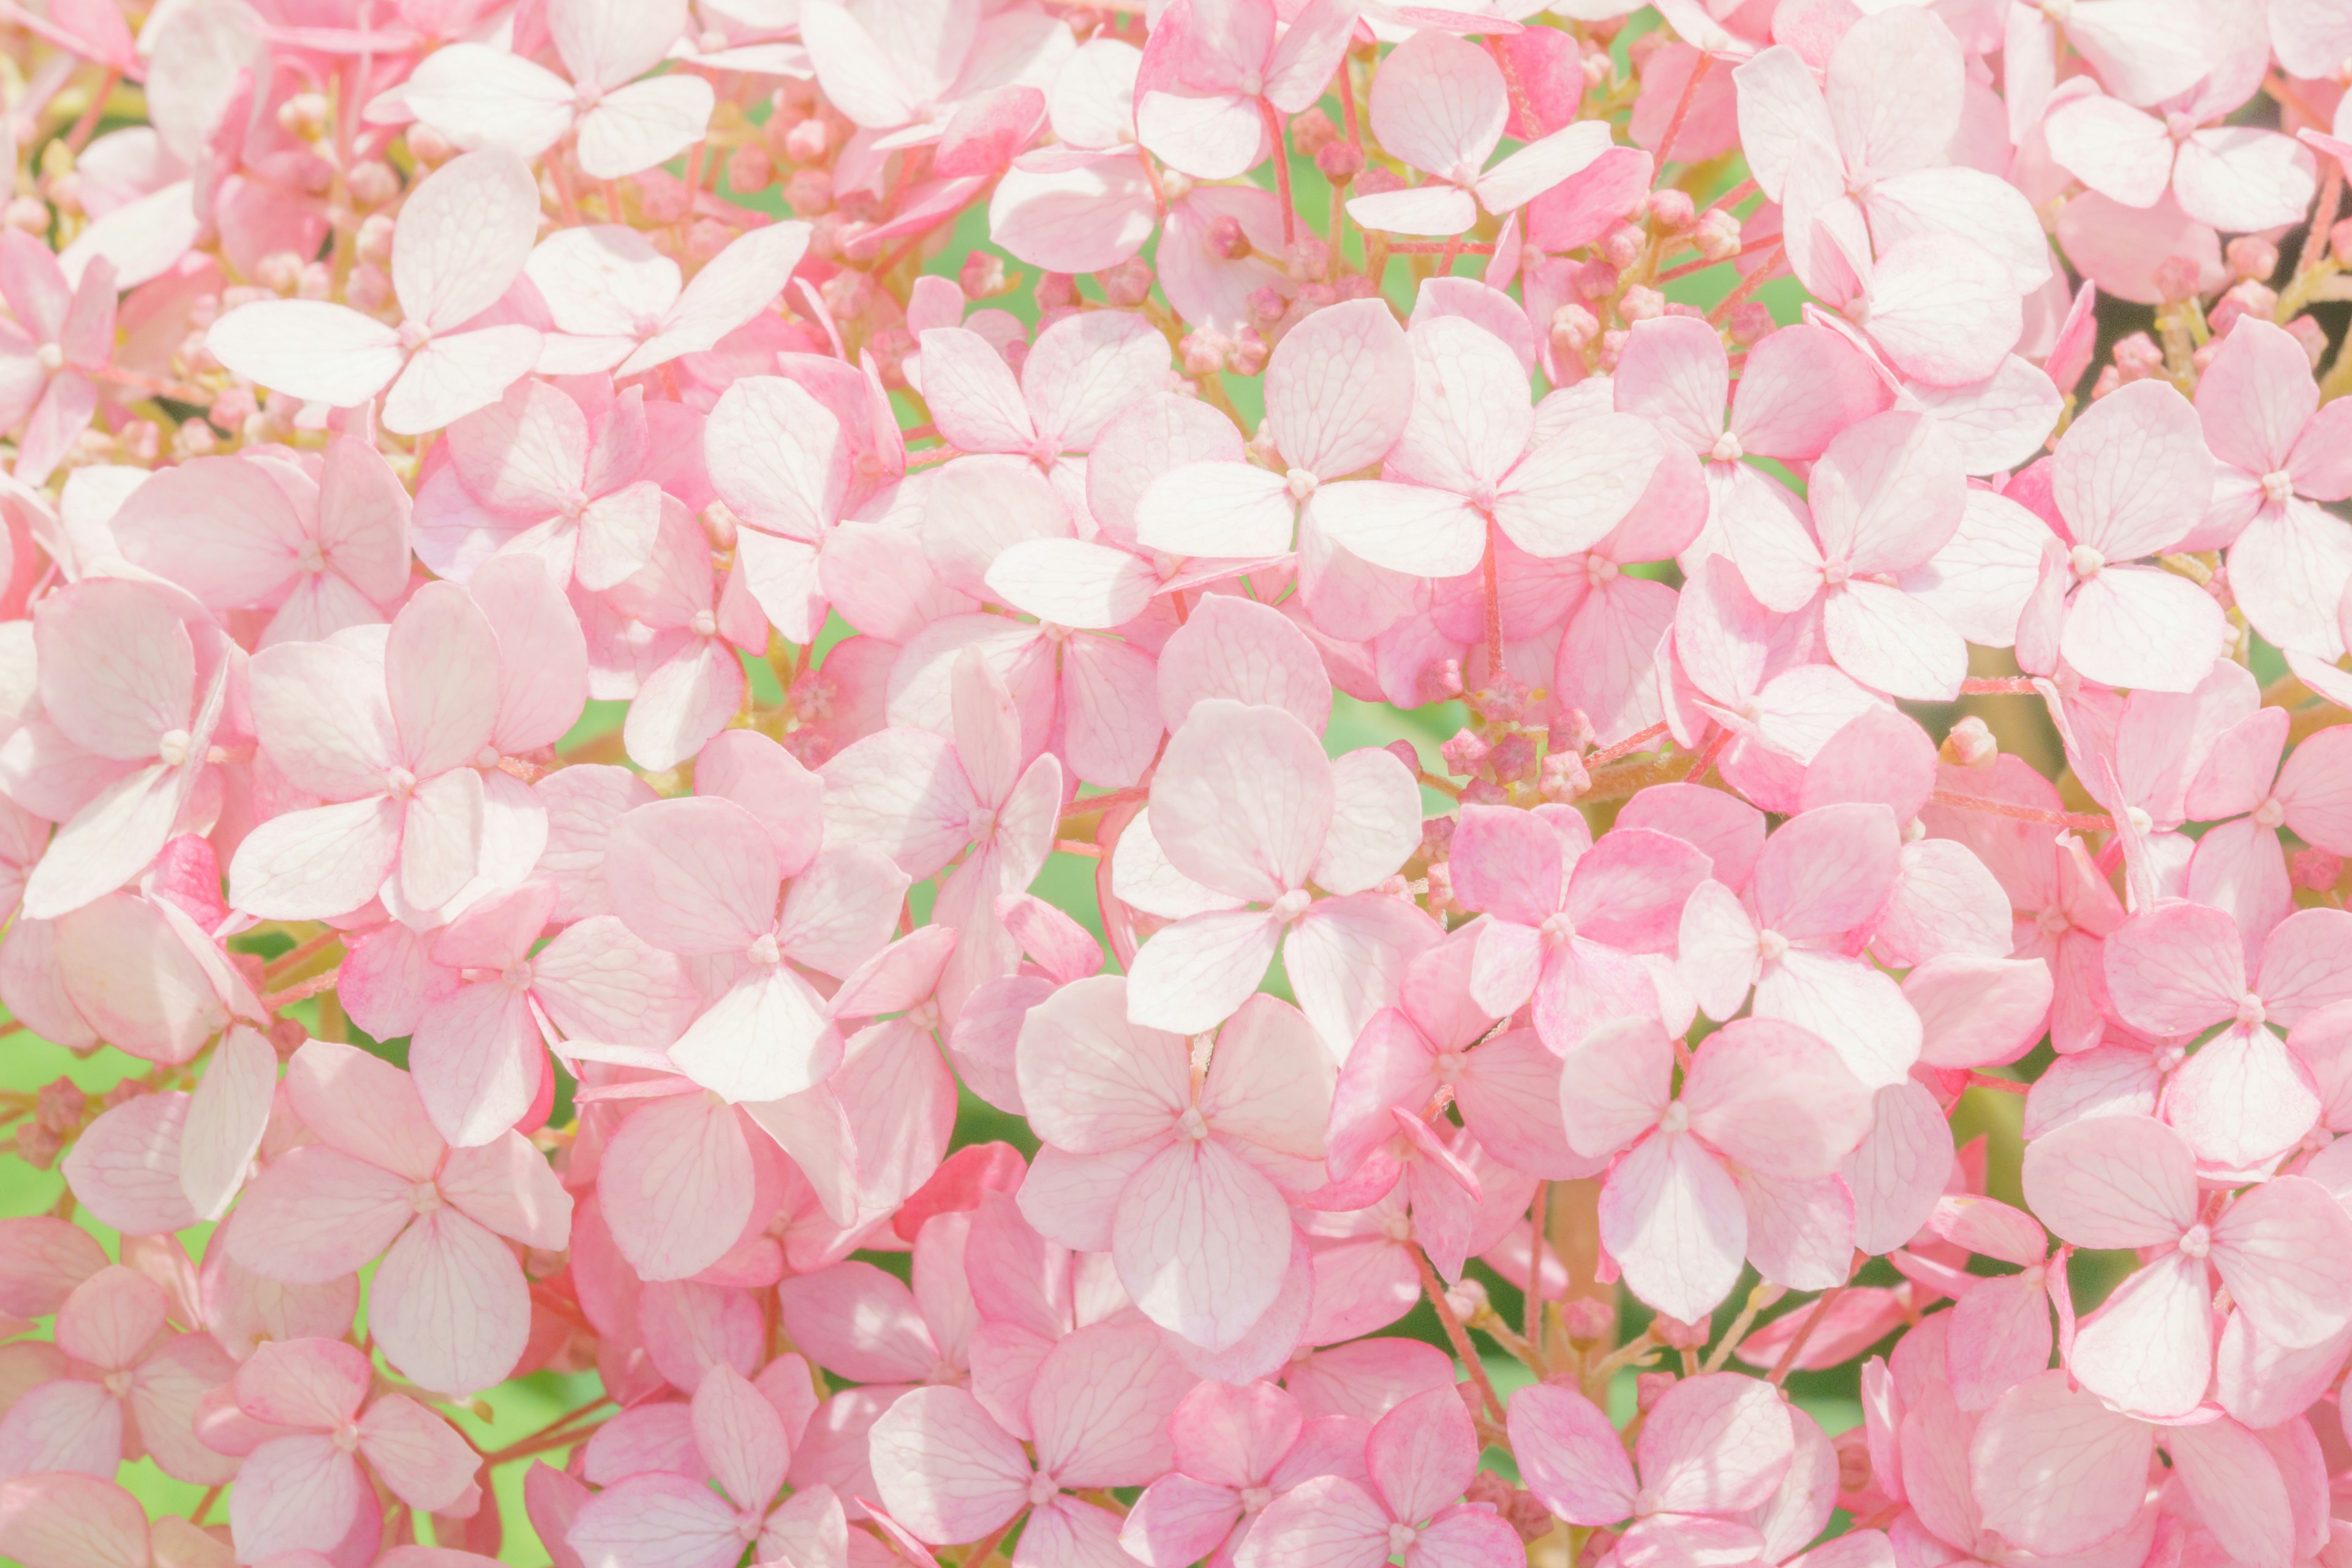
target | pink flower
[
  {"x": 619, "y": 304},
  {"x": 62, "y": 334},
  {"x": 1220, "y": 75},
  {"x": 1183, "y": 1182},
  {"x": 1817, "y": 888},
  {"x": 1571, "y": 919},
  {"x": 1238, "y": 1449},
  {"x": 1099, "y": 1413},
  {"x": 1472, "y": 458},
  {"x": 705, "y": 878},
  {"x": 1729, "y": 1168},
  {"x": 480, "y": 96},
  {"x": 465, "y": 233},
  {"x": 2275, "y": 455},
  {"x": 302, "y": 1489},
  {"x": 395, "y": 746},
  {"x": 448, "y": 1305},
  {"x": 1419, "y": 1457},
  {"x": 660, "y": 1519},
  {"x": 2130, "y": 478},
  {"x": 2280, "y": 1248},
  {"x": 2180, "y": 968},
  {"x": 1246, "y": 806},
  {"x": 1439, "y": 103},
  {"x": 322, "y": 546},
  {"x": 134, "y": 682},
  {"x": 133, "y": 1387},
  {"x": 1714, "y": 1446}
]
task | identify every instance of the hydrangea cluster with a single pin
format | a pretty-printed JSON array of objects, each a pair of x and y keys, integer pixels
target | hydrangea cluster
[{"x": 745, "y": 712}]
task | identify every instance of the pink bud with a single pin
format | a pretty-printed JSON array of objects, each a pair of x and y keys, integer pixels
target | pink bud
[
  {"x": 1228, "y": 240},
  {"x": 2251, "y": 257},
  {"x": 809, "y": 192},
  {"x": 1671, "y": 211},
  {"x": 1971, "y": 744},
  {"x": 372, "y": 182},
  {"x": 2317, "y": 870},
  {"x": 1750, "y": 322},
  {"x": 1717, "y": 234},
  {"x": 1128, "y": 284},
  {"x": 1339, "y": 161},
  {"x": 1641, "y": 304},
  {"x": 428, "y": 146},
  {"x": 806, "y": 143},
  {"x": 749, "y": 168},
  {"x": 1312, "y": 132},
  {"x": 1622, "y": 246},
  {"x": 1587, "y": 1319}
]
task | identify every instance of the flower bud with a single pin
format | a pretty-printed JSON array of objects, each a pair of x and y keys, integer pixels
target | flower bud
[
  {"x": 1128, "y": 284},
  {"x": 303, "y": 116},
  {"x": 1750, "y": 322},
  {"x": 2251, "y": 256},
  {"x": 1970, "y": 743},
  {"x": 279, "y": 271},
  {"x": 1267, "y": 307},
  {"x": 1595, "y": 280},
  {"x": 1622, "y": 246},
  {"x": 806, "y": 143},
  {"x": 2138, "y": 357},
  {"x": 367, "y": 289},
  {"x": 1228, "y": 240},
  {"x": 428, "y": 146},
  {"x": 750, "y": 169},
  {"x": 1671, "y": 211},
  {"x": 1339, "y": 161},
  {"x": 1312, "y": 132},
  {"x": 372, "y": 182},
  {"x": 2317, "y": 870},
  {"x": 1587, "y": 1319},
  {"x": 2246, "y": 297},
  {"x": 1202, "y": 352},
  {"x": 2312, "y": 336},
  {"x": 1680, "y": 1335},
  {"x": 29, "y": 213},
  {"x": 1717, "y": 234},
  {"x": 809, "y": 192},
  {"x": 1649, "y": 1387},
  {"x": 1572, "y": 327},
  {"x": 2175, "y": 279},
  {"x": 1248, "y": 354},
  {"x": 1641, "y": 304}
]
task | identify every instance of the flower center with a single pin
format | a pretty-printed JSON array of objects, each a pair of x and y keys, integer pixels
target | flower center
[
  {"x": 2140, "y": 820},
  {"x": 2057, "y": 11},
  {"x": 1675, "y": 1119},
  {"x": 1302, "y": 482},
  {"x": 399, "y": 783},
  {"x": 1193, "y": 1124},
  {"x": 516, "y": 977},
  {"x": 1835, "y": 572},
  {"x": 2270, "y": 814},
  {"x": 52, "y": 356},
  {"x": 705, "y": 624},
  {"x": 311, "y": 557},
  {"x": 347, "y": 1437},
  {"x": 2198, "y": 1242},
  {"x": 764, "y": 952},
  {"x": 983, "y": 826},
  {"x": 1256, "y": 1497},
  {"x": 1770, "y": 945},
  {"x": 1449, "y": 1067},
  {"x": 1043, "y": 1490},
  {"x": 1290, "y": 906},
  {"x": 2250, "y": 1010},
  {"x": 1557, "y": 931},
  {"x": 117, "y": 1383},
  {"x": 2086, "y": 562},
  {"x": 2278, "y": 485},
  {"x": 1401, "y": 1539},
  {"x": 424, "y": 1198},
  {"x": 172, "y": 750},
  {"x": 1599, "y": 570},
  {"x": 413, "y": 335},
  {"x": 1726, "y": 448}
]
